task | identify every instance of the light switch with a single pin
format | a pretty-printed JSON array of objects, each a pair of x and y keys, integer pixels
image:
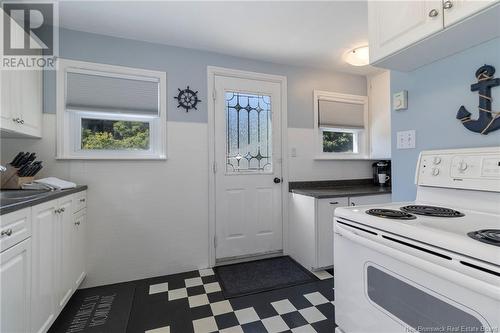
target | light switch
[
  {"x": 406, "y": 139},
  {"x": 400, "y": 100}
]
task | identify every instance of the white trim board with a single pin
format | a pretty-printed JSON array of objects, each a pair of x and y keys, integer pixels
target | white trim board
[{"x": 212, "y": 72}]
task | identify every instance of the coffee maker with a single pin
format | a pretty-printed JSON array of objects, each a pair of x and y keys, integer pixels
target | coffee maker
[{"x": 382, "y": 173}]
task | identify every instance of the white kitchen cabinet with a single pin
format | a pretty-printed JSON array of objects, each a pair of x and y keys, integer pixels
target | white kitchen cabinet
[
  {"x": 15, "y": 286},
  {"x": 370, "y": 199},
  {"x": 44, "y": 265},
  {"x": 68, "y": 251},
  {"x": 456, "y": 10},
  {"x": 379, "y": 115},
  {"x": 405, "y": 35},
  {"x": 80, "y": 223},
  {"x": 21, "y": 96},
  {"x": 325, "y": 209},
  {"x": 311, "y": 226},
  {"x": 393, "y": 25}
]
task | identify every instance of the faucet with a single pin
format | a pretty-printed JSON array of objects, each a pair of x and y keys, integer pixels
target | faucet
[{"x": 2, "y": 168}]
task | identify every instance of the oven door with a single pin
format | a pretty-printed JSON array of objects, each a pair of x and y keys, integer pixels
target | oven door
[{"x": 379, "y": 288}]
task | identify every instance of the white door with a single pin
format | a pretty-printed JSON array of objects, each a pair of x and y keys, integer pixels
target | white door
[
  {"x": 15, "y": 279},
  {"x": 394, "y": 25},
  {"x": 44, "y": 266},
  {"x": 248, "y": 203}
]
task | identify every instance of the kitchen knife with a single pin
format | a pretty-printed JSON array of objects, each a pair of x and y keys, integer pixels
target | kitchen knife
[
  {"x": 16, "y": 159},
  {"x": 31, "y": 158},
  {"x": 37, "y": 169},
  {"x": 23, "y": 160},
  {"x": 23, "y": 170},
  {"x": 33, "y": 170}
]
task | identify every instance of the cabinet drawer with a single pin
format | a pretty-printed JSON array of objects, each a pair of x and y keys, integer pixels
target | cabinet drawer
[
  {"x": 80, "y": 201},
  {"x": 14, "y": 228}
]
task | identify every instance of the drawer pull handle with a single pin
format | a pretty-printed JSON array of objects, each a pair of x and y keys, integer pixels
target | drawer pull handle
[
  {"x": 334, "y": 203},
  {"x": 433, "y": 13},
  {"x": 7, "y": 232},
  {"x": 57, "y": 211},
  {"x": 62, "y": 210},
  {"x": 77, "y": 223},
  {"x": 82, "y": 200}
]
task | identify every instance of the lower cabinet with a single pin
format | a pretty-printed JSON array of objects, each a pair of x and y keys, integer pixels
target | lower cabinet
[
  {"x": 44, "y": 265},
  {"x": 311, "y": 226},
  {"x": 15, "y": 285},
  {"x": 40, "y": 273}
]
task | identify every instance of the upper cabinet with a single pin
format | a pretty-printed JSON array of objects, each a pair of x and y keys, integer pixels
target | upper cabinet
[
  {"x": 21, "y": 96},
  {"x": 405, "y": 35},
  {"x": 393, "y": 25},
  {"x": 379, "y": 115}
]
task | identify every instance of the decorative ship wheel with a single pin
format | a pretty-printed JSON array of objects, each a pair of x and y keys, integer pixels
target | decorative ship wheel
[{"x": 187, "y": 99}]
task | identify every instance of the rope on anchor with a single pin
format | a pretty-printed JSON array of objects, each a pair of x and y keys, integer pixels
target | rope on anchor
[{"x": 495, "y": 114}]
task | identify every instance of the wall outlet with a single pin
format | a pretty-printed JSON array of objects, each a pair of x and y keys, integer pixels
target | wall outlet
[
  {"x": 400, "y": 100},
  {"x": 406, "y": 139},
  {"x": 293, "y": 152}
]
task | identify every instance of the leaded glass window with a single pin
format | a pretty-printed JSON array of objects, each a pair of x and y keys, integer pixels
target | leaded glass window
[{"x": 248, "y": 133}]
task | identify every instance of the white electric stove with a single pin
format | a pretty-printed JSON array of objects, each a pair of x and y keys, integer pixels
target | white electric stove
[{"x": 432, "y": 265}]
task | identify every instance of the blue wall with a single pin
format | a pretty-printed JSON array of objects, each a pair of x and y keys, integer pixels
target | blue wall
[
  {"x": 435, "y": 93},
  {"x": 189, "y": 67}
]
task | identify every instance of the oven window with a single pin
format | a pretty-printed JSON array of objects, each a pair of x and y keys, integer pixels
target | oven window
[{"x": 418, "y": 309}]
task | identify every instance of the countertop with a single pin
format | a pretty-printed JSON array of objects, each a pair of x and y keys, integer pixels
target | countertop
[
  {"x": 338, "y": 188},
  {"x": 11, "y": 205}
]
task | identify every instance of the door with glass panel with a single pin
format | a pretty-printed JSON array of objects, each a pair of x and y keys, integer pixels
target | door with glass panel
[{"x": 248, "y": 167}]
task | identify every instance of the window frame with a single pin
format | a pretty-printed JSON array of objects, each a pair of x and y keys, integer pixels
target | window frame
[
  {"x": 361, "y": 134},
  {"x": 69, "y": 122}
]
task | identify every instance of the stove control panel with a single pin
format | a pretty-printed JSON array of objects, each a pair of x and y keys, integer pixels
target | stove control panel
[{"x": 473, "y": 168}]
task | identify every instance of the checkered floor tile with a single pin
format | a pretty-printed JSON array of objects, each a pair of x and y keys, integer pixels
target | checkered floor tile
[{"x": 193, "y": 302}]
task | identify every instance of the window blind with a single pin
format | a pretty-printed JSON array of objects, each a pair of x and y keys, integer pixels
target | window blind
[
  {"x": 111, "y": 94},
  {"x": 340, "y": 114}
]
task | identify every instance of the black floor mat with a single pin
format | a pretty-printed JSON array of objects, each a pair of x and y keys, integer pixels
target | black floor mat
[
  {"x": 261, "y": 275},
  {"x": 97, "y": 310}
]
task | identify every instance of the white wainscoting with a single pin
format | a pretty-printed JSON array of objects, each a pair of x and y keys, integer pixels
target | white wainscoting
[{"x": 150, "y": 218}]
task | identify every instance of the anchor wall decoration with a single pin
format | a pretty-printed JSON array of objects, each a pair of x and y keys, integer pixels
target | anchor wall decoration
[{"x": 488, "y": 120}]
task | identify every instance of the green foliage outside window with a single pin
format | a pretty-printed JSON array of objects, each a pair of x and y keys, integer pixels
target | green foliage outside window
[
  {"x": 338, "y": 142},
  {"x": 114, "y": 135}
]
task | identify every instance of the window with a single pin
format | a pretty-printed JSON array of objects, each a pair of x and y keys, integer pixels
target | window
[
  {"x": 110, "y": 112},
  {"x": 340, "y": 125},
  {"x": 248, "y": 133}
]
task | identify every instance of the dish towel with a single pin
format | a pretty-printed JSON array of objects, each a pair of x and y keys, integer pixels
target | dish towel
[{"x": 55, "y": 183}]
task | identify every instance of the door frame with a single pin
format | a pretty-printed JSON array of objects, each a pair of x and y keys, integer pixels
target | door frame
[{"x": 212, "y": 72}]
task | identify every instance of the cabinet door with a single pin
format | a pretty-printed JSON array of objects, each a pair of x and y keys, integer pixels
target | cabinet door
[
  {"x": 370, "y": 200},
  {"x": 44, "y": 266},
  {"x": 379, "y": 100},
  {"x": 325, "y": 211},
  {"x": 68, "y": 250},
  {"x": 10, "y": 99},
  {"x": 80, "y": 222},
  {"x": 394, "y": 25},
  {"x": 456, "y": 10},
  {"x": 15, "y": 279},
  {"x": 31, "y": 102}
]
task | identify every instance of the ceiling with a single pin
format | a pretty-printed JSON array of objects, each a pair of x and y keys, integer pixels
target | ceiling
[{"x": 304, "y": 33}]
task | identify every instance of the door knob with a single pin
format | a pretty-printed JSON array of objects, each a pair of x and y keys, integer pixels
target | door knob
[{"x": 277, "y": 180}]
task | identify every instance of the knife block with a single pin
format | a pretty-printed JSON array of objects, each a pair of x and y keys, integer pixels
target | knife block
[{"x": 9, "y": 179}]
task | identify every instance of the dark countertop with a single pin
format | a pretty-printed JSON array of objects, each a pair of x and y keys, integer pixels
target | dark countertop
[
  {"x": 338, "y": 188},
  {"x": 11, "y": 205}
]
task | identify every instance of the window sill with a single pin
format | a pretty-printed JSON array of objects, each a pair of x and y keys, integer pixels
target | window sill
[{"x": 342, "y": 157}]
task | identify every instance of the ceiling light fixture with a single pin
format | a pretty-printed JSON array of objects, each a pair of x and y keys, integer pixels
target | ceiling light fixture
[{"x": 358, "y": 56}]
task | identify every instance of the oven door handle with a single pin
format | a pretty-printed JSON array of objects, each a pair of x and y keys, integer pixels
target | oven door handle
[{"x": 487, "y": 289}]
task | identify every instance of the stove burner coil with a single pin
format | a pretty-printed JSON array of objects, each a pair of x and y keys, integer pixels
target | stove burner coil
[
  {"x": 390, "y": 214},
  {"x": 488, "y": 236},
  {"x": 431, "y": 211}
]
